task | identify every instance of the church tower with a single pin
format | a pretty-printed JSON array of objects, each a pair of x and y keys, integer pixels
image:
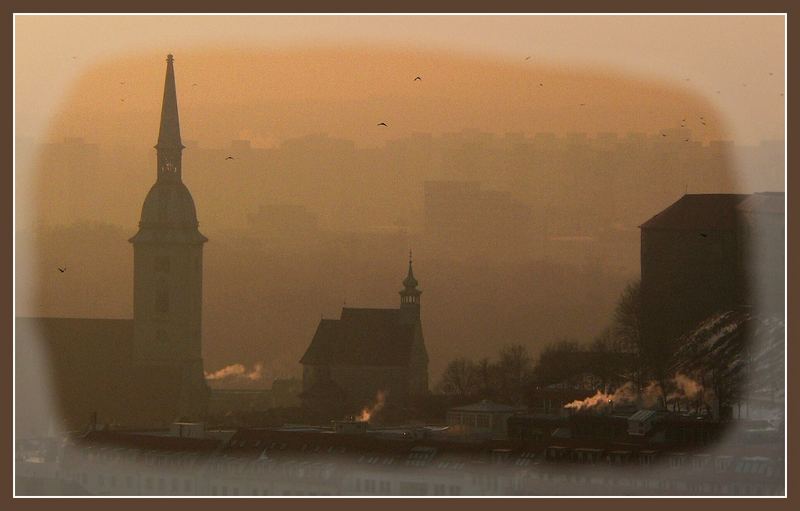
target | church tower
[
  {"x": 168, "y": 260},
  {"x": 409, "y": 296}
]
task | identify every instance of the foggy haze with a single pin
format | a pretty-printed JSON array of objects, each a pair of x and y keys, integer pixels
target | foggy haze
[{"x": 317, "y": 206}]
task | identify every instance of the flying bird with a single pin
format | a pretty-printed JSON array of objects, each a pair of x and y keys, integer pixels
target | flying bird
[
  {"x": 541, "y": 85},
  {"x": 383, "y": 124},
  {"x": 418, "y": 78},
  {"x": 62, "y": 270},
  {"x": 528, "y": 57},
  {"x": 663, "y": 134},
  {"x": 771, "y": 74},
  {"x": 230, "y": 158},
  {"x": 194, "y": 85},
  {"x": 583, "y": 104},
  {"x": 704, "y": 235},
  {"x": 123, "y": 100},
  {"x": 122, "y": 83}
]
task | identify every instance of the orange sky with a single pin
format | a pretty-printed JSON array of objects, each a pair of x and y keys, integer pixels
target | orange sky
[
  {"x": 268, "y": 96},
  {"x": 263, "y": 77}
]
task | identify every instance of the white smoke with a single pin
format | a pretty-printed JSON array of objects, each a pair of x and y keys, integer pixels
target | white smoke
[{"x": 238, "y": 371}]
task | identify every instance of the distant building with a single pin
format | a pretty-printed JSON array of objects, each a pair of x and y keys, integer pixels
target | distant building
[
  {"x": 366, "y": 353},
  {"x": 484, "y": 419},
  {"x": 709, "y": 253},
  {"x": 147, "y": 371},
  {"x": 462, "y": 218}
]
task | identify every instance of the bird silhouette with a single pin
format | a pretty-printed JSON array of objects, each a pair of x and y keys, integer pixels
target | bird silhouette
[
  {"x": 123, "y": 100},
  {"x": 62, "y": 270},
  {"x": 663, "y": 134},
  {"x": 771, "y": 74},
  {"x": 528, "y": 58},
  {"x": 122, "y": 83},
  {"x": 541, "y": 85},
  {"x": 703, "y": 235},
  {"x": 418, "y": 78},
  {"x": 383, "y": 124},
  {"x": 230, "y": 158},
  {"x": 583, "y": 104},
  {"x": 703, "y": 123},
  {"x": 194, "y": 85}
]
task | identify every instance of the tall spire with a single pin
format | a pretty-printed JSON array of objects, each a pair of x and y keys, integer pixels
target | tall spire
[
  {"x": 169, "y": 144},
  {"x": 410, "y": 282}
]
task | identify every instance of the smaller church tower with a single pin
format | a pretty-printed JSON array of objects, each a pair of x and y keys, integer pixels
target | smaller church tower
[{"x": 409, "y": 296}]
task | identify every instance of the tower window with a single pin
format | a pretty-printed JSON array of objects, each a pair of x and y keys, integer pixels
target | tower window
[{"x": 162, "y": 264}]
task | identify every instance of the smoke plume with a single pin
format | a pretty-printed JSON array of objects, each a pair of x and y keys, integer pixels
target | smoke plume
[
  {"x": 238, "y": 371},
  {"x": 686, "y": 389}
]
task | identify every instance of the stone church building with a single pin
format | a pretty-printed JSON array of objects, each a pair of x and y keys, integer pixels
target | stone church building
[
  {"x": 143, "y": 372},
  {"x": 364, "y": 353}
]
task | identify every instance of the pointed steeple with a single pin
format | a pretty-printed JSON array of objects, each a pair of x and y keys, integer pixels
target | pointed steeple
[
  {"x": 409, "y": 296},
  {"x": 410, "y": 282},
  {"x": 169, "y": 134},
  {"x": 169, "y": 144}
]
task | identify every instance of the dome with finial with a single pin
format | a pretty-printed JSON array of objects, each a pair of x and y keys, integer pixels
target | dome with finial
[
  {"x": 169, "y": 204},
  {"x": 168, "y": 212}
]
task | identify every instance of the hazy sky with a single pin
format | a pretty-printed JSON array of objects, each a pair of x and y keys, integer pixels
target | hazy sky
[
  {"x": 269, "y": 78},
  {"x": 57, "y": 56}
]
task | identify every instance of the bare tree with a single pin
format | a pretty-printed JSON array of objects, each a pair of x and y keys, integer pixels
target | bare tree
[
  {"x": 627, "y": 329},
  {"x": 458, "y": 378}
]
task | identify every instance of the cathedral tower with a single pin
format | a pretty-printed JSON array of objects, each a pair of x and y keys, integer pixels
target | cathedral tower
[{"x": 168, "y": 261}]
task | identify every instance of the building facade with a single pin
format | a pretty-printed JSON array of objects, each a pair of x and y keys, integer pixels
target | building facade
[{"x": 707, "y": 254}]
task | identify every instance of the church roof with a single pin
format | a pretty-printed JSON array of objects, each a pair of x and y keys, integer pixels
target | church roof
[
  {"x": 709, "y": 211},
  {"x": 373, "y": 337},
  {"x": 169, "y": 215}
]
